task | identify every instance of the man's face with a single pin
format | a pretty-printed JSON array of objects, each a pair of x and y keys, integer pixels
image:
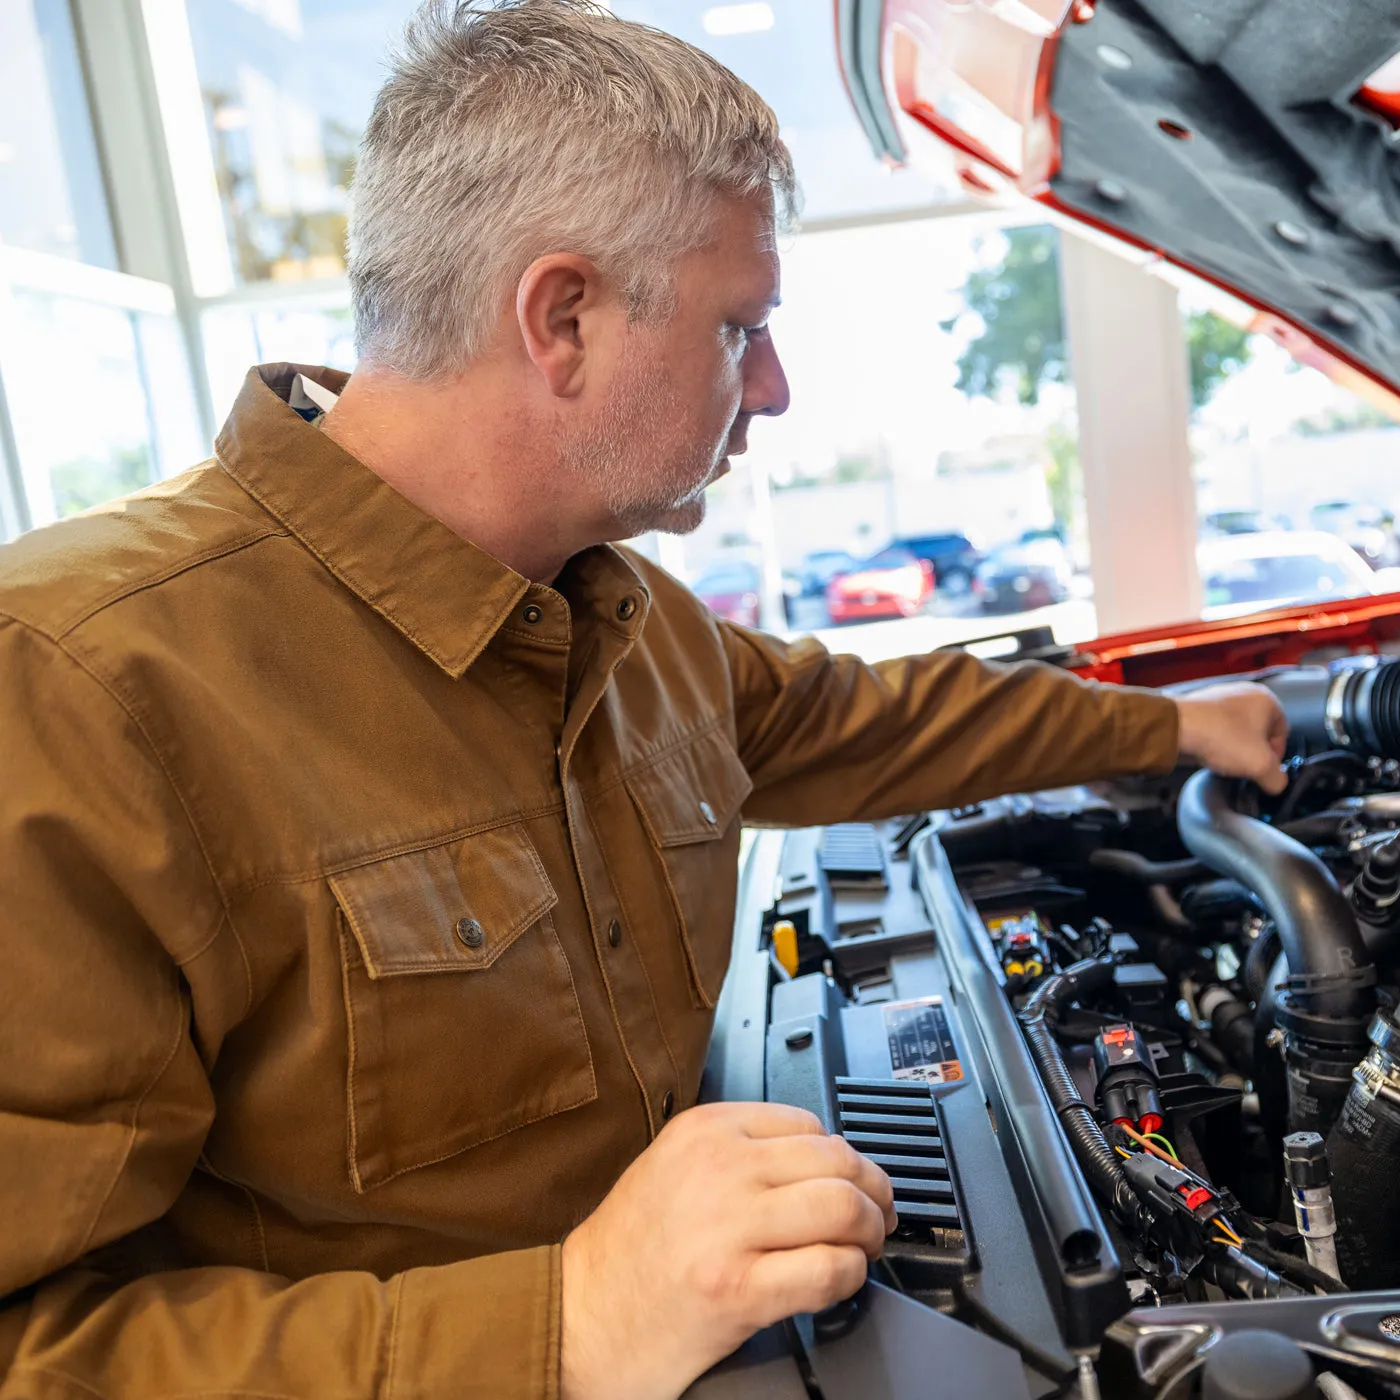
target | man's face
[{"x": 682, "y": 392}]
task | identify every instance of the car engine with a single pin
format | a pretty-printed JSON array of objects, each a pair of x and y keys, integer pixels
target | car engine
[{"x": 1130, "y": 1054}]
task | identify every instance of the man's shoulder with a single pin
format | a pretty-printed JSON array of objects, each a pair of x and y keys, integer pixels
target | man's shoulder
[{"x": 54, "y": 578}]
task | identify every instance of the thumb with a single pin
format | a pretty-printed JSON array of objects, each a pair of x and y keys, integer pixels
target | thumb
[{"x": 1269, "y": 775}]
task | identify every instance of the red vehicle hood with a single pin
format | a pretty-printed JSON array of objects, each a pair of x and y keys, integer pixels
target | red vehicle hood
[
  {"x": 1308, "y": 634},
  {"x": 1249, "y": 141}
]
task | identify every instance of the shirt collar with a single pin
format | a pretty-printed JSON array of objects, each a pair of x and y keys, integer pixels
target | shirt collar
[{"x": 445, "y": 595}]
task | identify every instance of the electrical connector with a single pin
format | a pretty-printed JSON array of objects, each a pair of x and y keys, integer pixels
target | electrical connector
[{"x": 1127, "y": 1080}]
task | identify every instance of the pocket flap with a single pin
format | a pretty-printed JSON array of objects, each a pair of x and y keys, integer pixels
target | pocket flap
[
  {"x": 455, "y": 907},
  {"x": 693, "y": 793}
]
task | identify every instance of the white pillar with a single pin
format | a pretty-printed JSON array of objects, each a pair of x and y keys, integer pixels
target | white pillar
[
  {"x": 773, "y": 617},
  {"x": 1128, "y": 353}
]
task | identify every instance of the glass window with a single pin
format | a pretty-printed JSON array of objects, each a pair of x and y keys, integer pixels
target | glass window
[
  {"x": 1296, "y": 464},
  {"x": 52, "y": 198},
  {"x": 237, "y": 337},
  {"x": 925, "y": 425},
  {"x": 288, "y": 86},
  {"x": 780, "y": 52},
  {"x": 100, "y": 400}
]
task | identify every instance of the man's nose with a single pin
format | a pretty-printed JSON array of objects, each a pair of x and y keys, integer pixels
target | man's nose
[{"x": 765, "y": 384}]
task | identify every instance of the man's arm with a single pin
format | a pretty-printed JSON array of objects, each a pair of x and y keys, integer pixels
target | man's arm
[
  {"x": 109, "y": 909},
  {"x": 830, "y": 738}
]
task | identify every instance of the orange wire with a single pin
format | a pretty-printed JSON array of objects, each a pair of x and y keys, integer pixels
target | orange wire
[
  {"x": 1151, "y": 1147},
  {"x": 1176, "y": 1162}
]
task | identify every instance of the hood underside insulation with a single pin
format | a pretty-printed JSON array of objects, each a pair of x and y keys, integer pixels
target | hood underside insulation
[{"x": 1227, "y": 135}]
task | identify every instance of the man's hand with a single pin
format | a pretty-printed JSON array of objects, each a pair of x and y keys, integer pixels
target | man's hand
[
  {"x": 736, "y": 1216},
  {"x": 1237, "y": 730}
]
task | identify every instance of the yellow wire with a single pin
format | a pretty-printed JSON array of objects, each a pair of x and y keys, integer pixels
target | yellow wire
[
  {"x": 1121, "y": 1153},
  {"x": 1220, "y": 1225},
  {"x": 1220, "y": 1239}
]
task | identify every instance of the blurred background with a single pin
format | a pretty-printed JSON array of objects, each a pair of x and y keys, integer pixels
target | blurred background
[{"x": 174, "y": 182}]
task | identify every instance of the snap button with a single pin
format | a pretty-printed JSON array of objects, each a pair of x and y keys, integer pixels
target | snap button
[
  {"x": 668, "y": 1105},
  {"x": 708, "y": 813},
  {"x": 614, "y": 934},
  {"x": 470, "y": 933},
  {"x": 627, "y": 608},
  {"x": 532, "y": 614}
]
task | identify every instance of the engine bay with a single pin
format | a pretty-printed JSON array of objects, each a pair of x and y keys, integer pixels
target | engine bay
[{"x": 1131, "y": 1057}]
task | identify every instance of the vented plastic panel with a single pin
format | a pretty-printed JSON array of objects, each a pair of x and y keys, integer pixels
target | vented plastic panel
[
  {"x": 851, "y": 851},
  {"x": 898, "y": 1127}
]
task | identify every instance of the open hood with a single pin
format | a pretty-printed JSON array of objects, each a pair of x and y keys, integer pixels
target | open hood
[{"x": 1251, "y": 142}]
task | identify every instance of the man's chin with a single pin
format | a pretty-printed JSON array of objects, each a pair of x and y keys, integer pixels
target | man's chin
[{"x": 683, "y": 519}]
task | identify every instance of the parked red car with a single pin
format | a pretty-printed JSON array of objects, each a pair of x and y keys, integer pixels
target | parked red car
[{"x": 892, "y": 583}]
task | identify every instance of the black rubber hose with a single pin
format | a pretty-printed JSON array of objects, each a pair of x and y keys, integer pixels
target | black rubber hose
[
  {"x": 1320, "y": 829},
  {"x": 1270, "y": 1076},
  {"x": 1147, "y": 872},
  {"x": 1331, "y": 987},
  {"x": 1259, "y": 960},
  {"x": 1213, "y": 901},
  {"x": 1358, "y": 708},
  {"x": 1090, "y": 1147}
]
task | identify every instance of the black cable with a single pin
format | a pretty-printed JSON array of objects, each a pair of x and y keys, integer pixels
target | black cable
[
  {"x": 1292, "y": 1268},
  {"x": 1096, "y": 1157}
]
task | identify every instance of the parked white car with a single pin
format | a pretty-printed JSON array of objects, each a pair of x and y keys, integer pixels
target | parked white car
[{"x": 1276, "y": 568}]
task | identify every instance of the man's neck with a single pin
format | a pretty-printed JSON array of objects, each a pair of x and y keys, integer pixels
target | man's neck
[{"x": 480, "y": 471}]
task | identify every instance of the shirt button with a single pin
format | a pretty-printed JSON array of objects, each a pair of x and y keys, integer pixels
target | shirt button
[
  {"x": 668, "y": 1105},
  {"x": 626, "y": 608},
  {"x": 707, "y": 812},
  {"x": 614, "y": 933},
  {"x": 471, "y": 933},
  {"x": 532, "y": 614}
]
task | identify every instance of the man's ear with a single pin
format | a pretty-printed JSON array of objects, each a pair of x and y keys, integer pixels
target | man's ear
[{"x": 556, "y": 304}]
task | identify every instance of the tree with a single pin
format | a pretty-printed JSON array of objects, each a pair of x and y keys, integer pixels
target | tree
[
  {"x": 1021, "y": 343},
  {"x": 1214, "y": 351},
  {"x": 1018, "y": 303}
]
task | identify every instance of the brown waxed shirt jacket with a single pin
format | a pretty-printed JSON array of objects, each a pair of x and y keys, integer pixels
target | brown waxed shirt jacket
[{"x": 363, "y": 906}]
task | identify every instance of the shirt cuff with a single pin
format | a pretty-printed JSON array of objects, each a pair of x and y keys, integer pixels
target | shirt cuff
[
  {"x": 481, "y": 1329},
  {"x": 1146, "y": 731}
]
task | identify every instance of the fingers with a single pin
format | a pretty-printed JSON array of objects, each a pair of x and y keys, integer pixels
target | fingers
[
  {"x": 783, "y": 1161},
  {"x": 809, "y": 1279},
  {"x": 765, "y": 1120},
  {"x": 818, "y": 1212},
  {"x": 1271, "y": 777}
]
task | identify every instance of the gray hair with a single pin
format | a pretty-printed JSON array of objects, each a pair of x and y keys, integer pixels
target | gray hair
[{"x": 531, "y": 127}]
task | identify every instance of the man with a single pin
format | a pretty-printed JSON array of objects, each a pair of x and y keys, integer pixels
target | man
[{"x": 368, "y": 824}]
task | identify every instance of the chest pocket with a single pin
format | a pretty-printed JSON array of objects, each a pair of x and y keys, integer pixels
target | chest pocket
[
  {"x": 463, "y": 1019},
  {"x": 689, "y": 803}
]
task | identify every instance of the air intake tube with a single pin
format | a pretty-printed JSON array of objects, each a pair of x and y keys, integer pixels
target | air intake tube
[
  {"x": 1328, "y": 998},
  {"x": 1356, "y": 708}
]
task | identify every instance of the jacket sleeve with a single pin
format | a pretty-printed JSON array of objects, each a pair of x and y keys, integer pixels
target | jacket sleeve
[
  {"x": 106, "y": 904},
  {"x": 831, "y": 738}
]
